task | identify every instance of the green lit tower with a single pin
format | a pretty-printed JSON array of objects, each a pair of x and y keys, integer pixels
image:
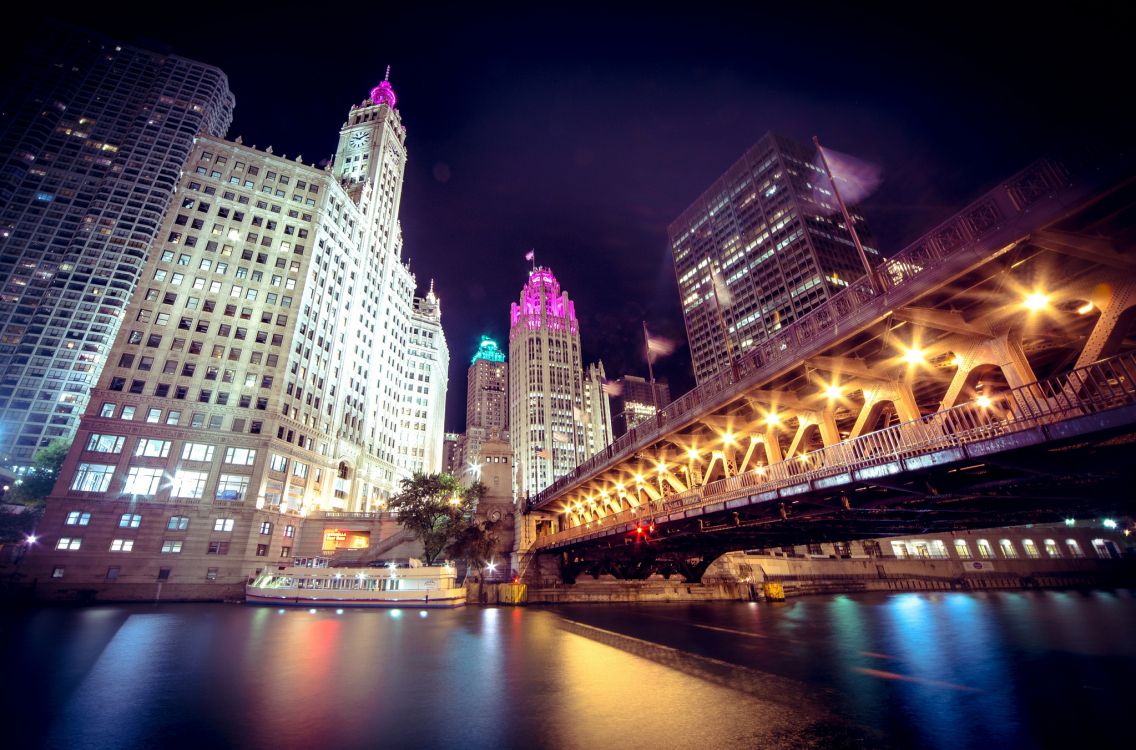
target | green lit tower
[{"x": 486, "y": 406}]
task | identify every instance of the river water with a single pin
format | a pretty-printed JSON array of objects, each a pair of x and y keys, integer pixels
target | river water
[{"x": 942, "y": 670}]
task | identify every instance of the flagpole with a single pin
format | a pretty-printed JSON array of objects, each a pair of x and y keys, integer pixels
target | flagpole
[
  {"x": 847, "y": 218},
  {"x": 650, "y": 369},
  {"x": 722, "y": 323}
]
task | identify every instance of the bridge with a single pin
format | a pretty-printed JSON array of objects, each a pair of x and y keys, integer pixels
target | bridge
[{"x": 982, "y": 376}]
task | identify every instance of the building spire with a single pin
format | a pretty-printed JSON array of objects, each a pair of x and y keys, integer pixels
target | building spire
[{"x": 387, "y": 77}]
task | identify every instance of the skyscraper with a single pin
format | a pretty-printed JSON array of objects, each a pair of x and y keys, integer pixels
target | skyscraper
[
  {"x": 92, "y": 137},
  {"x": 636, "y": 402},
  {"x": 487, "y": 402},
  {"x": 558, "y": 413},
  {"x": 274, "y": 362},
  {"x": 771, "y": 234}
]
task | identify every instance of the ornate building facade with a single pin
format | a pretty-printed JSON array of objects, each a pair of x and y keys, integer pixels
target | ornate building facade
[
  {"x": 274, "y": 364},
  {"x": 558, "y": 412}
]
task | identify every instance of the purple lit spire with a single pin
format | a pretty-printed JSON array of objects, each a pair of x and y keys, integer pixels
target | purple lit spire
[{"x": 383, "y": 93}]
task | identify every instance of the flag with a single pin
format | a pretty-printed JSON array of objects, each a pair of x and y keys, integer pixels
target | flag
[
  {"x": 530, "y": 255},
  {"x": 855, "y": 178},
  {"x": 561, "y": 437},
  {"x": 721, "y": 291},
  {"x": 657, "y": 346},
  {"x": 612, "y": 388}
]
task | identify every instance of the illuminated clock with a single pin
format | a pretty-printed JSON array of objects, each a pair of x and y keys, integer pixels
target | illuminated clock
[
  {"x": 494, "y": 516},
  {"x": 359, "y": 139}
]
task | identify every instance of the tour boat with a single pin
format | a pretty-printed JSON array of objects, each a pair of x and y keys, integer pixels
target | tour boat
[{"x": 310, "y": 582}]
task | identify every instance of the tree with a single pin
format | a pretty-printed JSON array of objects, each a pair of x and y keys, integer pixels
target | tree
[
  {"x": 436, "y": 508},
  {"x": 475, "y": 544},
  {"x": 37, "y": 483}
]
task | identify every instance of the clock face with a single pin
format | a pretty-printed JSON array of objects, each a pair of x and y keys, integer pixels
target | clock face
[
  {"x": 494, "y": 516},
  {"x": 359, "y": 140}
]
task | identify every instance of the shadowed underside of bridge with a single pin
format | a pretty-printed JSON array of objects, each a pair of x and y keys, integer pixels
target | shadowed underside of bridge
[{"x": 983, "y": 378}]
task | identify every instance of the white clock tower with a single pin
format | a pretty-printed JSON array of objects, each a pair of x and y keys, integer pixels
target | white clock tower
[{"x": 372, "y": 148}]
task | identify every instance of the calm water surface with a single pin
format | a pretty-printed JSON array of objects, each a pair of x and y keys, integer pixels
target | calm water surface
[{"x": 951, "y": 670}]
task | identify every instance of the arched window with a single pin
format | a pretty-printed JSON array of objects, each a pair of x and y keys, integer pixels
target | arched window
[
  {"x": 1030, "y": 548},
  {"x": 1074, "y": 548},
  {"x": 962, "y": 549},
  {"x": 1008, "y": 550},
  {"x": 984, "y": 549},
  {"x": 1051, "y": 548}
]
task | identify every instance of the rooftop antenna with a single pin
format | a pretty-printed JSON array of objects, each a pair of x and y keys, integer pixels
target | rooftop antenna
[{"x": 387, "y": 77}]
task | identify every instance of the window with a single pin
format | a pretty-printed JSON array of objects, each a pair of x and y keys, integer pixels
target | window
[
  {"x": 1031, "y": 549},
  {"x": 154, "y": 416},
  {"x": 78, "y": 518},
  {"x": 170, "y": 547},
  {"x": 962, "y": 549},
  {"x": 69, "y": 543},
  {"x": 178, "y": 523},
  {"x": 211, "y": 574},
  {"x": 232, "y": 486},
  {"x": 163, "y": 574},
  {"x": 107, "y": 409},
  {"x": 985, "y": 551},
  {"x": 285, "y": 551},
  {"x": 122, "y": 545},
  {"x": 1074, "y": 548},
  {"x": 278, "y": 463},
  {"x": 222, "y": 524},
  {"x": 112, "y": 573},
  {"x": 289, "y": 531},
  {"x": 172, "y": 416},
  {"x": 105, "y": 443},
  {"x": 142, "y": 481},
  {"x": 57, "y": 572},
  {"x": 217, "y": 548},
  {"x": 240, "y": 456},
  {"x": 92, "y": 477},
  {"x": 197, "y": 451},
  {"x": 299, "y": 469},
  {"x": 1051, "y": 549},
  {"x": 153, "y": 448},
  {"x": 128, "y": 412},
  {"x": 261, "y": 550},
  {"x": 129, "y": 521},
  {"x": 190, "y": 484},
  {"x": 265, "y": 527},
  {"x": 1009, "y": 551}
]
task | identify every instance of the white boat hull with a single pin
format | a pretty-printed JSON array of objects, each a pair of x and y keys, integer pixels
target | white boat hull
[{"x": 414, "y": 599}]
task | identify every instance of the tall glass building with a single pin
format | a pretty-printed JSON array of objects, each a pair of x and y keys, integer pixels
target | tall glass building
[
  {"x": 771, "y": 233},
  {"x": 93, "y": 136}
]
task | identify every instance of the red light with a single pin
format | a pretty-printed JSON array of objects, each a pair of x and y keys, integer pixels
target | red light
[
  {"x": 516, "y": 579},
  {"x": 638, "y": 529},
  {"x": 652, "y": 529}
]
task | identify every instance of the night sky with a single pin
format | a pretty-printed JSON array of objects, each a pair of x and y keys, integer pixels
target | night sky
[{"x": 583, "y": 131}]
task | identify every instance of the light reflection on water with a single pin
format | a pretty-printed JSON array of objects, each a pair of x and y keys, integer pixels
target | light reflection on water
[{"x": 934, "y": 670}]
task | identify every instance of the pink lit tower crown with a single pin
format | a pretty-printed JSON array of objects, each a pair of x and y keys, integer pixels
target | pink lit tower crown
[{"x": 558, "y": 413}]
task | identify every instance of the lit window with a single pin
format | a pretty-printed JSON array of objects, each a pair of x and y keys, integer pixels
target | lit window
[
  {"x": 189, "y": 484},
  {"x": 143, "y": 481},
  {"x": 129, "y": 521},
  {"x": 178, "y": 523},
  {"x": 122, "y": 545},
  {"x": 289, "y": 531},
  {"x": 1051, "y": 548},
  {"x": 962, "y": 549},
  {"x": 92, "y": 478},
  {"x": 240, "y": 456},
  {"x": 232, "y": 486},
  {"x": 69, "y": 543},
  {"x": 265, "y": 527},
  {"x": 78, "y": 518},
  {"x": 197, "y": 451},
  {"x": 152, "y": 448},
  {"x": 1074, "y": 548},
  {"x": 1030, "y": 548},
  {"x": 105, "y": 443},
  {"x": 223, "y": 524},
  {"x": 171, "y": 547}
]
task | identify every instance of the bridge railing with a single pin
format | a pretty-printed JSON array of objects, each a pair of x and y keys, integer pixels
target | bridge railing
[
  {"x": 1098, "y": 387},
  {"x": 924, "y": 259}
]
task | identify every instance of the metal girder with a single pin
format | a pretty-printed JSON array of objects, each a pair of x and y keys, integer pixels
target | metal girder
[
  {"x": 1095, "y": 249},
  {"x": 950, "y": 321}
]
